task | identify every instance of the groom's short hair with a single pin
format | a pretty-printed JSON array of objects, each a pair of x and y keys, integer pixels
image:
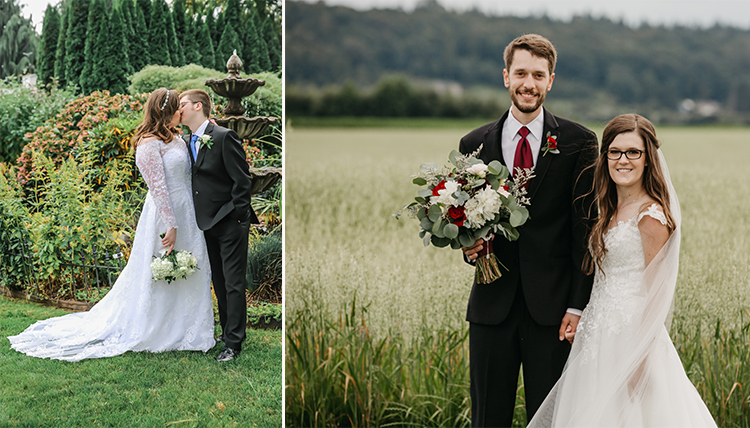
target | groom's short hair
[
  {"x": 199, "y": 96},
  {"x": 534, "y": 43}
]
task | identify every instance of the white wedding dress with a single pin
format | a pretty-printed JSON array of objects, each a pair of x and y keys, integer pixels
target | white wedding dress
[
  {"x": 623, "y": 370},
  {"x": 138, "y": 313}
]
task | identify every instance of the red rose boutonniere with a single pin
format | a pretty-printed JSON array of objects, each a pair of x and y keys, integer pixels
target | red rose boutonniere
[{"x": 551, "y": 146}]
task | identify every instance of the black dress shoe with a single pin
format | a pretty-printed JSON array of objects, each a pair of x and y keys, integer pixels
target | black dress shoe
[{"x": 228, "y": 354}]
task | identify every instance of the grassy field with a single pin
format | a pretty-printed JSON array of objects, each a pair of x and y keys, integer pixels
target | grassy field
[
  {"x": 341, "y": 242},
  {"x": 177, "y": 389}
]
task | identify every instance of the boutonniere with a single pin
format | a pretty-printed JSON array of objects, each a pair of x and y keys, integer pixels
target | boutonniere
[
  {"x": 551, "y": 145},
  {"x": 206, "y": 140}
]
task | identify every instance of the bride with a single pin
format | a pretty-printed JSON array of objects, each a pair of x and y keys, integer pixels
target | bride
[
  {"x": 623, "y": 370},
  {"x": 138, "y": 313}
]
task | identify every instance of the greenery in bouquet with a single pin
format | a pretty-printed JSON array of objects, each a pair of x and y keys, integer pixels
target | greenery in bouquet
[{"x": 469, "y": 200}]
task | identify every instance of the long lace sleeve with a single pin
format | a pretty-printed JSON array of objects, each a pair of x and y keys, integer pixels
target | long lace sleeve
[{"x": 150, "y": 164}]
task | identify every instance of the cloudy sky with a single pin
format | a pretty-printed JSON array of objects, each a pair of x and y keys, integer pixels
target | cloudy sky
[{"x": 670, "y": 12}]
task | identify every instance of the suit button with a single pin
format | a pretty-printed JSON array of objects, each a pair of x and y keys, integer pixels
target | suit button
[{"x": 196, "y": 193}]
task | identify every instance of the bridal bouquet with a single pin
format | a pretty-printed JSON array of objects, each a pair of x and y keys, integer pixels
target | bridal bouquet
[
  {"x": 173, "y": 266},
  {"x": 469, "y": 200}
]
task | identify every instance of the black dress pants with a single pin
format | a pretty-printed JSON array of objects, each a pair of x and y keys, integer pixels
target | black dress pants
[
  {"x": 496, "y": 355},
  {"x": 227, "y": 253}
]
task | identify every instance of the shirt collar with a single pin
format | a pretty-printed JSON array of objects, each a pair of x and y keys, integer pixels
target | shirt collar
[
  {"x": 201, "y": 129},
  {"x": 536, "y": 126}
]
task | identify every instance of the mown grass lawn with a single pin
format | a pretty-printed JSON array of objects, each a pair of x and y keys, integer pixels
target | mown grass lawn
[{"x": 176, "y": 389}]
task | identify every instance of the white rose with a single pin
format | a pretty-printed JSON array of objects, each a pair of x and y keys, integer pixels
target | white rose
[{"x": 479, "y": 169}]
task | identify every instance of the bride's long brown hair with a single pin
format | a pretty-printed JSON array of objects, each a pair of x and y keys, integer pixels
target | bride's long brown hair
[
  {"x": 157, "y": 115},
  {"x": 605, "y": 190}
]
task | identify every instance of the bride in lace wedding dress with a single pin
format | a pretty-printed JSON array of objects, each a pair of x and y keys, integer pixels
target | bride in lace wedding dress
[
  {"x": 138, "y": 313},
  {"x": 623, "y": 370}
]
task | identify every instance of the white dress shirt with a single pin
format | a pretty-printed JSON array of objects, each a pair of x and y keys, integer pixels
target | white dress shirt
[
  {"x": 510, "y": 138},
  {"x": 199, "y": 132}
]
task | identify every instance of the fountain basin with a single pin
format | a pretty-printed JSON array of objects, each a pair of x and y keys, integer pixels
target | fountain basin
[
  {"x": 246, "y": 127},
  {"x": 264, "y": 178}
]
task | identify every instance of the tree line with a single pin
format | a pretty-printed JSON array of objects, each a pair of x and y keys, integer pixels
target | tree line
[
  {"x": 599, "y": 59},
  {"x": 97, "y": 44}
]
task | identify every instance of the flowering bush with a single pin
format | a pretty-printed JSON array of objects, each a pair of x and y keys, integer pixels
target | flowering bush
[{"x": 63, "y": 135}]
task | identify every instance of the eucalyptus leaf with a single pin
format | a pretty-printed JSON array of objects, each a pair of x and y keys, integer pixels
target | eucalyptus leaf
[
  {"x": 419, "y": 181},
  {"x": 495, "y": 167},
  {"x": 426, "y": 239},
  {"x": 425, "y": 223},
  {"x": 461, "y": 197},
  {"x": 437, "y": 228},
  {"x": 420, "y": 200},
  {"x": 494, "y": 182},
  {"x": 434, "y": 212},
  {"x": 455, "y": 244},
  {"x": 440, "y": 242},
  {"x": 477, "y": 183},
  {"x": 421, "y": 213},
  {"x": 453, "y": 157},
  {"x": 504, "y": 173},
  {"x": 466, "y": 240},
  {"x": 422, "y": 233},
  {"x": 450, "y": 231},
  {"x": 481, "y": 233},
  {"x": 516, "y": 218},
  {"x": 425, "y": 193}
]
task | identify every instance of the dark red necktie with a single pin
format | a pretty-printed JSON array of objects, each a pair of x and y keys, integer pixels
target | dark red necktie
[{"x": 523, "y": 157}]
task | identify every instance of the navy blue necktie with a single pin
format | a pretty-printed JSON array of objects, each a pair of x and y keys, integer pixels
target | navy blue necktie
[{"x": 193, "y": 139}]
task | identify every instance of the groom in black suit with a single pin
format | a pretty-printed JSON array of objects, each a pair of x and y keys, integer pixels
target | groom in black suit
[
  {"x": 526, "y": 316},
  {"x": 221, "y": 193}
]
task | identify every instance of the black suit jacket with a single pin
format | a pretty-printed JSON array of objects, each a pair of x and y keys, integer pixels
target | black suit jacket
[
  {"x": 221, "y": 179},
  {"x": 546, "y": 260}
]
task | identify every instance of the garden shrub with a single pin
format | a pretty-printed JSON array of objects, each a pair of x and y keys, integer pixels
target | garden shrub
[
  {"x": 264, "y": 267},
  {"x": 22, "y": 110},
  {"x": 74, "y": 223},
  {"x": 14, "y": 217},
  {"x": 63, "y": 135}
]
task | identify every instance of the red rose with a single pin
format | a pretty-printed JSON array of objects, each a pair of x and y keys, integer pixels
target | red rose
[
  {"x": 440, "y": 186},
  {"x": 506, "y": 187},
  {"x": 551, "y": 143},
  {"x": 456, "y": 215}
]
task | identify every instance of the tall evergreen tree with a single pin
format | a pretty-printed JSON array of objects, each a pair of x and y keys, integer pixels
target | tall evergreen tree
[
  {"x": 211, "y": 25},
  {"x": 138, "y": 51},
  {"x": 97, "y": 13},
  {"x": 206, "y": 45},
  {"x": 219, "y": 26},
  {"x": 146, "y": 6},
  {"x": 100, "y": 75},
  {"x": 173, "y": 44},
  {"x": 229, "y": 42},
  {"x": 127, "y": 8},
  {"x": 274, "y": 45},
  {"x": 262, "y": 47},
  {"x": 60, "y": 52},
  {"x": 233, "y": 16},
  {"x": 157, "y": 34},
  {"x": 181, "y": 26},
  {"x": 251, "y": 54},
  {"x": 48, "y": 45},
  {"x": 191, "y": 46},
  {"x": 18, "y": 41},
  {"x": 114, "y": 60},
  {"x": 75, "y": 39}
]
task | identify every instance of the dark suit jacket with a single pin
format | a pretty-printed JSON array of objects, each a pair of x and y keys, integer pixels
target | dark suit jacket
[
  {"x": 546, "y": 260},
  {"x": 221, "y": 179}
]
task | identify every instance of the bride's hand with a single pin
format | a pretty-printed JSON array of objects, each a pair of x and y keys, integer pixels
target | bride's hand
[{"x": 169, "y": 239}]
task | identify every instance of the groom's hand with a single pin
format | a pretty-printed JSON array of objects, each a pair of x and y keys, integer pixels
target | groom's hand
[
  {"x": 472, "y": 252},
  {"x": 568, "y": 327}
]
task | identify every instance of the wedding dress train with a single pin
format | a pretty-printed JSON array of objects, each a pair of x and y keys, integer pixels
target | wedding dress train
[
  {"x": 623, "y": 370},
  {"x": 138, "y": 313}
]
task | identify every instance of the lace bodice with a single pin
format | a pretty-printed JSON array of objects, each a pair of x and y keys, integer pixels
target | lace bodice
[
  {"x": 166, "y": 170},
  {"x": 617, "y": 296}
]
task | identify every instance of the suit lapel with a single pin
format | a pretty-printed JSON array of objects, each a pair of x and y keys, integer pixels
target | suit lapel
[
  {"x": 543, "y": 162},
  {"x": 202, "y": 150},
  {"x": 492, "y": 148},
  {"x": 186, "y": 139}
]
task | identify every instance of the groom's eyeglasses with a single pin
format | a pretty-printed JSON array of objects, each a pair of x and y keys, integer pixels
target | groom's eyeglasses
[
  {"x": 182, "y": 103},
  {"x": 631, "y": 154}
]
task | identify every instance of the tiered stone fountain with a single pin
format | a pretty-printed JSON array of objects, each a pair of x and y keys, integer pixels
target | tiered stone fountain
[{"x": 234, "y": 88}]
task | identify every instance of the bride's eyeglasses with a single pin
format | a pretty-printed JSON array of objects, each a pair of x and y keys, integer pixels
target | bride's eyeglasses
[{"x": 631, "y": 154}]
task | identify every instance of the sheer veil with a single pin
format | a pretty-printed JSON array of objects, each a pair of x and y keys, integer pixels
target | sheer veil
[{"x": 635, "y": 377}]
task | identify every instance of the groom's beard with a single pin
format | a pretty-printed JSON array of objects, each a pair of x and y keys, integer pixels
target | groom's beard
[{"x": 527, "y": 108}]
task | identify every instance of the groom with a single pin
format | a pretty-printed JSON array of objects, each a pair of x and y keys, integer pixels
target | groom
[
  {"x": 526, "y": 316},
  {"x": 221, "y": 193}
]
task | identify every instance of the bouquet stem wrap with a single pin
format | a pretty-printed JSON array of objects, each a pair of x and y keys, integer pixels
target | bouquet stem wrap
[{"x": 488, "y": 266}]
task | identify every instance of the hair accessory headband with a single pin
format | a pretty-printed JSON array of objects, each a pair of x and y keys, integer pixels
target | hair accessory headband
[{"x": 165, "y": 100}]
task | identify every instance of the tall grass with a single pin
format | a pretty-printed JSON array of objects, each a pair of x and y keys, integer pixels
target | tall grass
[{"x": 344, "y": 184}]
